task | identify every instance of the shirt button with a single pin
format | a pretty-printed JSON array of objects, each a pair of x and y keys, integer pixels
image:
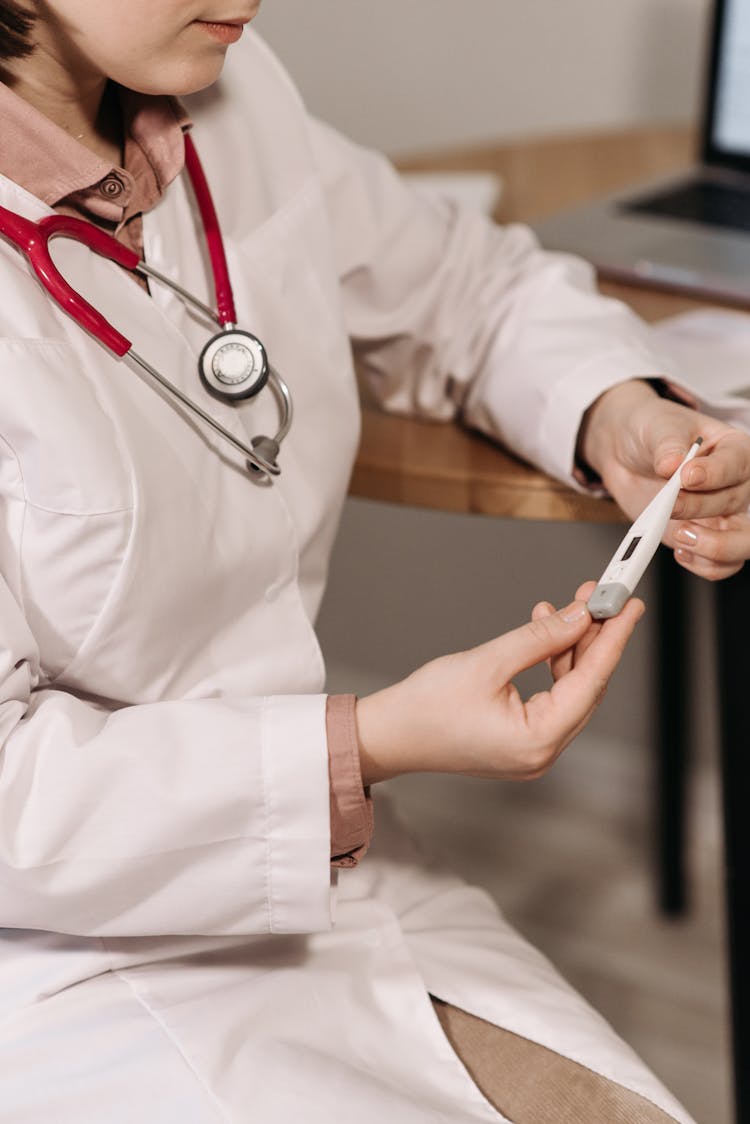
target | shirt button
[{"x": 112, "y": 186}]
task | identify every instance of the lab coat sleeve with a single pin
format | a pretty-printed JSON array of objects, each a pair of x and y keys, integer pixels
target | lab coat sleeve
[
  {"x": 186, "y": 817},
  {"x": 451, "y": 315}
]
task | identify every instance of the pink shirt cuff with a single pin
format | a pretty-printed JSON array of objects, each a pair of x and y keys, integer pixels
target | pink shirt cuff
[{"x": 351, "y": 803}]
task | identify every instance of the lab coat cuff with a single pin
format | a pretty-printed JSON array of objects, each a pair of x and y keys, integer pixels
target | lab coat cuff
[
  {"x": 568, "y": 401},
  {"x": 295, "y": 769}
]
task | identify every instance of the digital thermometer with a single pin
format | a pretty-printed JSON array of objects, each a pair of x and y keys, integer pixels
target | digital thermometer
[{"x": 636, "y": 550}]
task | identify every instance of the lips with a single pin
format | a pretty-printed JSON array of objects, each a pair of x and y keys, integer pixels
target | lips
[
  {"x": 230, "y": 21},
  {"x": 225, "y": 31}
]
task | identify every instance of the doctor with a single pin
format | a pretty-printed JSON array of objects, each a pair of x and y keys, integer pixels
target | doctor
[{"x": 191, "y": 931}]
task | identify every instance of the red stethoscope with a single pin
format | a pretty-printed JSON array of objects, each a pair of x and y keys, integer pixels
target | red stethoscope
[{"x": 232, "y": 366}]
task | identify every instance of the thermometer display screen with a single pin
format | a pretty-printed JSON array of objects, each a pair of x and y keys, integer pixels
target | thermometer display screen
[{"x": 631, "y": 548}]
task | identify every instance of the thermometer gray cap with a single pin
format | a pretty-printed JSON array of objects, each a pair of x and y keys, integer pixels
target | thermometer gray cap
[{"x": 608, "y": 600}]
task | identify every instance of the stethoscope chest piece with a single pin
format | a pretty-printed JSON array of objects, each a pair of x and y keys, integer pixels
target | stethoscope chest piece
[{"x": 233, "y": 364}]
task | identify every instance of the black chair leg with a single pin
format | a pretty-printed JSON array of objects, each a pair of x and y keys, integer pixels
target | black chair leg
[
  {"x": 733, "y": 620},
  {"x": 672, "y": 731}
]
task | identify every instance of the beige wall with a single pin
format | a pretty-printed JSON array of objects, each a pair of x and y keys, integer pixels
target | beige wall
[{"x": 406, "y": 74}]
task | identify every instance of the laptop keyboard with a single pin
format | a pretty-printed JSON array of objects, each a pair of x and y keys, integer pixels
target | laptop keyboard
[{"x": 714, "y": 204}]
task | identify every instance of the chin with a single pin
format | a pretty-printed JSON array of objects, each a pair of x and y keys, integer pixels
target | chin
[{"x": 179, "y": 80}]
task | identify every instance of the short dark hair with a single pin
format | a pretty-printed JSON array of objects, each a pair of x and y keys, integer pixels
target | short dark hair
[{"x": 15, "y": 29}]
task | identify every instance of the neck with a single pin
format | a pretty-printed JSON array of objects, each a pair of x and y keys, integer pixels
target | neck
[{"x": 87, "y": 108}]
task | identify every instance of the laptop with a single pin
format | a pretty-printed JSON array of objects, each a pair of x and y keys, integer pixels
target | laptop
[{"x": 690, "y": 233}]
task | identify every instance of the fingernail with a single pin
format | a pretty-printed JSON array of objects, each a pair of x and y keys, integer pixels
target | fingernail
[
  {"x": 574, "y": 612},
  {"x": 694, "y": 476},
  {"x": 688, "y": 537}
]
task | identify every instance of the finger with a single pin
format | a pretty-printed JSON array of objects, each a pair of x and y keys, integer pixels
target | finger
[
  {"x": 704, "y": 568},
  {"x": 561, "y": 664},
  {"x": 583, "y": 593},
  {"x": 543, "y": 637},
  {"x": 670, "y": 453},
  {"x": 588, "y": 639},
  {"x": 671, "y": 433},
  {"x": 558, "y": 664},
  {"x": 705, "y": 505},
  {"x": 725, "y": 464},
  {"x": 542, "y": 609},
  {"x": 714, "y": 548},
  {"x": 717, "y": 483},
  {"x": 575, "y": 696}
]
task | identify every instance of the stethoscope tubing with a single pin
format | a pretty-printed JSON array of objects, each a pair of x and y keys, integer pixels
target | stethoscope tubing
[
  {"x": 33, "y": 238},
  {"x": 156, "y": 274},
  {"x": 256, "y": 461},
  {"x": 275, "y": 381},
  {"x": 212, "y": 232}
]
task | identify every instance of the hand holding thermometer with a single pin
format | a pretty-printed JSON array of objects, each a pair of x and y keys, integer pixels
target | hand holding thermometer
[{"x": 636, "y": 550}]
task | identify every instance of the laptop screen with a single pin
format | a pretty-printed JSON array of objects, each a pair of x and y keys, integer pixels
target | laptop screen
[
  {"x": 727, "y": 120},
  {"x": 731, "y": 132}
]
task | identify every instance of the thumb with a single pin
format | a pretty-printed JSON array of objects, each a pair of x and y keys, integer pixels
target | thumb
[
  {"x": 541, "y": 638},
  {"x": 670, "y": 443}
]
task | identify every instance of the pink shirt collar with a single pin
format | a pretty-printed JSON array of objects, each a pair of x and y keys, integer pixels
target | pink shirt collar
[{"x": 42, "y": 158}]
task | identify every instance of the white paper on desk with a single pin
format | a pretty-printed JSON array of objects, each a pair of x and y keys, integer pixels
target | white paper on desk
[
  {"x": 477, "y": 191},
  {"x": 709, "y": 351}
]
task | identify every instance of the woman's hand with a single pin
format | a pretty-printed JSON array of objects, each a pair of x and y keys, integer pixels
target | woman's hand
[
  {"x": 463, "y": 714},
  {"x": 635, "y": 440},
  {"x": 713, "y": 548}
]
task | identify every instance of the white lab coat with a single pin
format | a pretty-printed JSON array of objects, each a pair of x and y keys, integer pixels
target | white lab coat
[{"x": 173, "y": 947}]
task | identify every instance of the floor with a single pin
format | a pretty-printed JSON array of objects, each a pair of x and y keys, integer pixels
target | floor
[{"x": 573, "y": 874}]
